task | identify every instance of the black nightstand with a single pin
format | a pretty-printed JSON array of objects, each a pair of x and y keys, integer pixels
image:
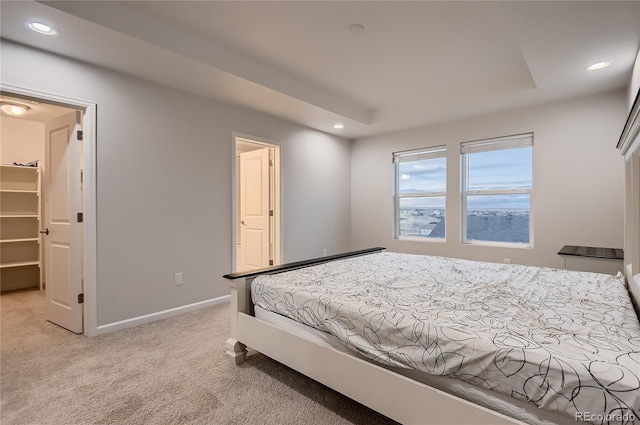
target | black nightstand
[{"x": 591, "y": 252}]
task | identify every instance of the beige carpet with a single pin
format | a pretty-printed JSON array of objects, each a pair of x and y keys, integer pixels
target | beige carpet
[{"x": 172, "y": 371}]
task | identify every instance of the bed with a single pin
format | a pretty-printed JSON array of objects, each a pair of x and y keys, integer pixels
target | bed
[{"x": 533, "y": 345}]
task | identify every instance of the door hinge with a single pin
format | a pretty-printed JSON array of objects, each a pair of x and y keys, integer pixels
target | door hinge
[
  {"x": 80, "y": 217},
  {"x": 271, "y": 162},
  {"x": 271, "y": 262},
  {"x": 270, "y": 213},
  {"x": 80, "y": 298},
  {"x": 80, "y": 134}
]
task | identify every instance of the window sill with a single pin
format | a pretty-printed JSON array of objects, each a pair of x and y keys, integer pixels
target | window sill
[
  {"x": 421, "y": 239},
  {"x": 499, "y": 244}
]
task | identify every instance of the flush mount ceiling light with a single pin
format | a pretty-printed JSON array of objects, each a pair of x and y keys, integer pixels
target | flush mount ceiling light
[
  {"x": 15, "y": 109},
  {"x": 338, "y": 125},
  {"x": 41, "y": 28},
  {"x": 598, "y": 66}
]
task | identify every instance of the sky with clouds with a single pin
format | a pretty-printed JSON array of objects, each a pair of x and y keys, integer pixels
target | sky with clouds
[{"x": 509, "y": 168}]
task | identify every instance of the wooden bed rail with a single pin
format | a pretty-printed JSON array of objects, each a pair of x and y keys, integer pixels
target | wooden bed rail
[{"x": 300, "y": 264}]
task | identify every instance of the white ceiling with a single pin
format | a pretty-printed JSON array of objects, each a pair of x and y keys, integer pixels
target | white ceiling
[{"x": 415, "y": 63}]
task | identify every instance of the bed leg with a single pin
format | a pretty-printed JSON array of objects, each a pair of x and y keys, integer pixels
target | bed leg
[
  {"x": 236, "y": 350},
  {"x": 239, "y": 304}
]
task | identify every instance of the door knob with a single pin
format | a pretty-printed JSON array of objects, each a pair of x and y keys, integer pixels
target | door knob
[
  {"x": 241, "y": 221},
  {"x": 45, "y": 231}
]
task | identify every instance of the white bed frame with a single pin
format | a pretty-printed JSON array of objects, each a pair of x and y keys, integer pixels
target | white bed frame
[{"x": 398, "y": 397}]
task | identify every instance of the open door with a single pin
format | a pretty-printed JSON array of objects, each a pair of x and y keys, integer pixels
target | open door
[
  {"x": 254, "y": 209},
  {"x": 62, "y": 234}
]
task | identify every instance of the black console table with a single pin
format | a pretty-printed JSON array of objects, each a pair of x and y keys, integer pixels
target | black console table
[{"x": 590, "y": 251}]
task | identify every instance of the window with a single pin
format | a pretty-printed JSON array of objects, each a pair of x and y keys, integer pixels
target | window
[
  {"x": 497, "y": 180},
  {"x": 420, "y": 193}
]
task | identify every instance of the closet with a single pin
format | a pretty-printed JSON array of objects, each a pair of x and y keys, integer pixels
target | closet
[
  {"x": 41, "y": 246},
  {"x": 20, "y": 206},
  {"x": 22, "y": 194}
]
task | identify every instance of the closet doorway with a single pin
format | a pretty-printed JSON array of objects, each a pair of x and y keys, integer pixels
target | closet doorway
[
  {"x": 256, "y": 223},
  {"x": 42, "y": 230}
]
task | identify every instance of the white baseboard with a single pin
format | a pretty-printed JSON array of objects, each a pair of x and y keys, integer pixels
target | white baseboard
[{"x": 135, "y": 321}]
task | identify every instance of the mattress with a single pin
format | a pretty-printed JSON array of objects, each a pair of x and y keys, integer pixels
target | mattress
[
  {"x": 517, "y": 409},
  {"x": 564, "y": 341}
]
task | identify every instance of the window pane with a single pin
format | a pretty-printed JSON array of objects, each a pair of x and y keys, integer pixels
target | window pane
[
  {"x": 502, "y": 169},
  {"x": 427, "y": 175},
  {"x": 498, "y": 218},
  {"x": 422, "y": 217}
]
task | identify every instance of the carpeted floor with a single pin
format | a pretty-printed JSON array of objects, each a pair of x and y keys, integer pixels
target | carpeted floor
[{"x": 173, "y": 371}]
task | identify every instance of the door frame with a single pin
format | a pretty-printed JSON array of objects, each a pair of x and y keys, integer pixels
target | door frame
[
  {"x": 90, "y": 316},
  {"x": 276, "y": 194}
]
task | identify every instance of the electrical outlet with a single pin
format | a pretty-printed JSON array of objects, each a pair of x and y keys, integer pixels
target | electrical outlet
[
  {"x": 179, "y": 279},
  {"x": 324, "y": 252},
  {"x": 507, "y": 260}
]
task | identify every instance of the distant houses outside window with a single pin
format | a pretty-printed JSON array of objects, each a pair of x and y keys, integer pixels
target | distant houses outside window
[
  {"x": 497, "y": 181},
  {"x": 420, "y": 193}
]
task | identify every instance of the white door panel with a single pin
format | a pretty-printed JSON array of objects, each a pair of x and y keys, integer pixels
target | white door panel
[
  {"x": 63, "y": 244},
  {"x": 60, "y": 293},
  {"x": 254, "y": 209},
  {"x": 255, "y": 257}
]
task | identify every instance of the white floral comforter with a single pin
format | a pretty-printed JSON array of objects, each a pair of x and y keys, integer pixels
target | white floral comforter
[{"x": 563, "y": 340}]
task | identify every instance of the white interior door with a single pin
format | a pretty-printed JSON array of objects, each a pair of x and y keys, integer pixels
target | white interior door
[
  {"x": 254, "y": 209},
  {"x": 63, "y": 243}
]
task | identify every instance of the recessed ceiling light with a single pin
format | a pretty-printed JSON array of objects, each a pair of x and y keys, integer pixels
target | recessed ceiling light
[
  {"x": 598, "y": 65},
  {"x": 41, "y": 28},
  {"x": 338, "y": 125},
  {"x": 15, "y": 109}
]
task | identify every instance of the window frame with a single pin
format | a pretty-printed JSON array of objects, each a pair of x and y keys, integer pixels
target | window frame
[
  {"x": 492, "y": 145},
  {"x": 433, "y": 152}
]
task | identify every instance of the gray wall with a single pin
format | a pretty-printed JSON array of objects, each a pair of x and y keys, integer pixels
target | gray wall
[
  {"x": 164, "y": 183},
  {"x": 578, "y": 179}
]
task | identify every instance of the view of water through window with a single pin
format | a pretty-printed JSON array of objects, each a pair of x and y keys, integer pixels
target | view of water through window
[
  {"x": 498, "y": 202},
  {"x": 496, "y": 214},
  {"x": 423, "y": 213}
]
